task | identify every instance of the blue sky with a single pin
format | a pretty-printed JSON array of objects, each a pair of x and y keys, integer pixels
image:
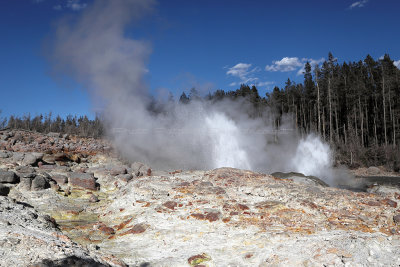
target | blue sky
[{"x": 205, "y": 44}]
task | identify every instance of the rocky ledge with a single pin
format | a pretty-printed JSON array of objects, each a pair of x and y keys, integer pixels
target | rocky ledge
[{"x": 99, "y": 211}]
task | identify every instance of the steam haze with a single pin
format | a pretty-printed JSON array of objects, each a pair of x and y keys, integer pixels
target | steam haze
[{"x": 94, "y": 50}]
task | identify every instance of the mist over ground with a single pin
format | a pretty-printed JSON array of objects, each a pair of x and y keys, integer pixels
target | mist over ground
[{"x": 94, "y": 50}]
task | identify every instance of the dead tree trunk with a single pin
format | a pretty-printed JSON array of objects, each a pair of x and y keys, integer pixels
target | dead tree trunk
[
  {"x": 362, "y": 121},
  {"x": 384, "y": 106},
  {"x": 318, "y": 110},
  {"x": 330, "y": 111}
]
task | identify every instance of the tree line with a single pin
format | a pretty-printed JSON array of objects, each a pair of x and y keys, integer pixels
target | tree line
[
  {"x": 73, "y": 125},
  {"x": 354, "y": 106}
]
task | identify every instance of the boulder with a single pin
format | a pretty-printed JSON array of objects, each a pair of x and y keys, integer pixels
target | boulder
[
  {"x": 140, "y": 169},
  {"x": 116, "y": 170},
  {"x": 396, "y": 219},
  {"x": 4, "y": 190},
  {"x": 17, "y": 156},
  {"x": 60, "y": 179},
  {"x": 62, "y": 169},
  {"x": 49, "y": 159},
  {"x": 25, "y": 183},
  {"x": 32, "y": 158},
  {"x": 8, "y": 177},
  {"x": 85, "y": 180},
  {"x": 373, "y": 171},
  {"x": 25, "y": 170},
  {"x": 39, "y": 183}
]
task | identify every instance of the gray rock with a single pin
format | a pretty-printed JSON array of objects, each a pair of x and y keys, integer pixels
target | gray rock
[
  {"x": 25, "y": 169},
  {"x": 45, "y": 175},
  {"x": 29, "y": 159},
  {"x": 49, "y": 159},
  {"x": 116, "y": 170},
  {"x": 39, "y": 183},
  {"x": 396, "y": 219},
  {"x": 60, "y": 179},
  {"x": 373, "y": 170},
  {"x": 17, "y": 156},
  {"x": 4, "y": 190},
  {"x": 140, "y": 169},
  {"x": 25, "y": 184},
  {"x": 53, "y": 134},
  {"x": 5, "y": 154},
  {"x": 32, "y": 158},
  {"x": 8, "y": 177}
]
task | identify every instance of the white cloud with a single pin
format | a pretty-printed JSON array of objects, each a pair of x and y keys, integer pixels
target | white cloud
[
  {"x": 251, "y": 80},
  {"x": 358, "y": 4},
  {"x": 75, "y": 5},
  {"x": 57, "y": 7},
  {"x": 246, "y": 75},
  {"x": 244, "y": 72},
  {"x": 285, "y": 64},
  {"x": 240, "y": 70},
  {"x": 312, "y": 62}
]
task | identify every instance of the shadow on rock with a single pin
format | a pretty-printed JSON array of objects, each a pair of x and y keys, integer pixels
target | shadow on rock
[{"x": 72, "y": 261}]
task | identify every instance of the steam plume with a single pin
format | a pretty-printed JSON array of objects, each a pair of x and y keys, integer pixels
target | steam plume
[{"x": 94, "y": 49}]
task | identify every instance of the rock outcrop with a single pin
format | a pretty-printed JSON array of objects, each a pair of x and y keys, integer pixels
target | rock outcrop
[
  {"x": 64, "y": 211},
  {"x": 28, "y": 238}
]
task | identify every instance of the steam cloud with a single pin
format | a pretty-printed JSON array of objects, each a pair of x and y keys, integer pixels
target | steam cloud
[{"x": 94, "y": 49}]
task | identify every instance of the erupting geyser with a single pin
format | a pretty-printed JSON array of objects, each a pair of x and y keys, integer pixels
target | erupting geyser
[
  {"x": 313, "y": 157},
  {"x": 94, "y": 50},
  {"x": 227, "y": 150}
]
